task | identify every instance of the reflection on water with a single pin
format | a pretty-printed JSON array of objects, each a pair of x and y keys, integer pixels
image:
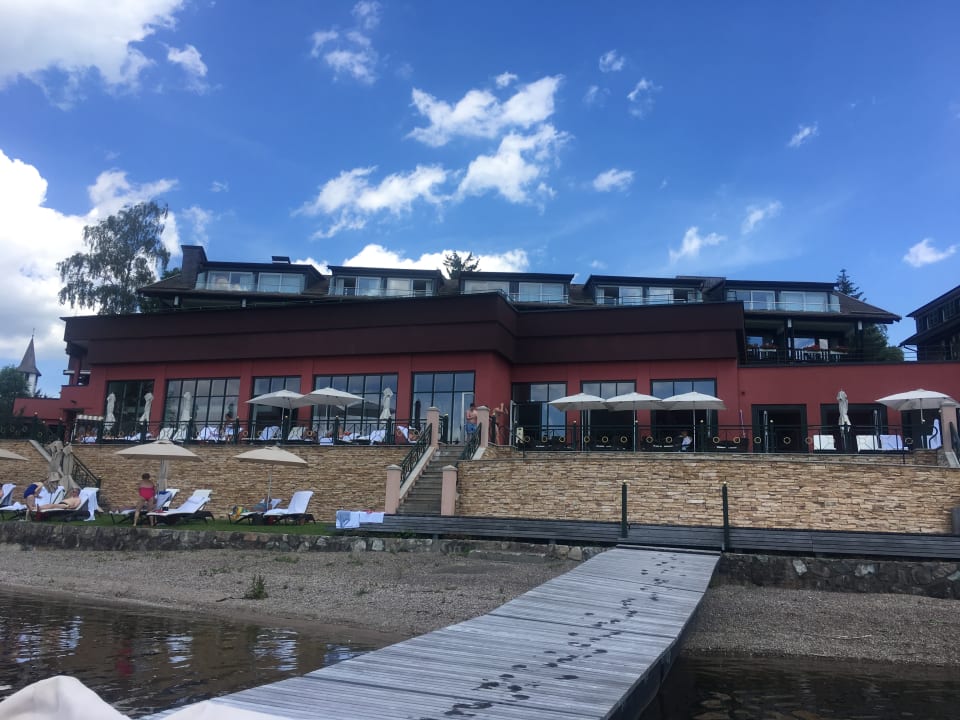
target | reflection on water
[
  {"x": 769, "y": 689},
  {"x": 142, "y": 662},
  {"x": 146, "y": 661}
]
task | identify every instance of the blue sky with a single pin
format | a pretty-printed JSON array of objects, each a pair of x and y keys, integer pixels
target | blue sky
[{"x": 753, "y": 140}]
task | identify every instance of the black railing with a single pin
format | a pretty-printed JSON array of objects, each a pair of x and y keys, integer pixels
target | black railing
[
  {"x": 769, "y": 438},
  {"x": 470, "y": 447},
  {"x": 418, "y": 450},
  {"x": 22, "y": 427},
  {"x": 82, "y": 475}
]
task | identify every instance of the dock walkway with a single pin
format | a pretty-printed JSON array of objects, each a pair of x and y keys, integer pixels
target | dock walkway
[{"x": 592, "y": 643}]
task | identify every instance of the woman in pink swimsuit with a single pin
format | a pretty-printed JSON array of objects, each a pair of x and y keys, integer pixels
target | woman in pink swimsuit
[{"x": 147, "y": 489}]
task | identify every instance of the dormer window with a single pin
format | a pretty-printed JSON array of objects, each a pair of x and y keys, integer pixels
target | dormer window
[
  {"x": 369, "y": 286},
  {"x": 264, "y": 282}
]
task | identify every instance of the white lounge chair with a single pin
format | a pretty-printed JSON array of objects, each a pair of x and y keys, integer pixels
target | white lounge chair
[
  {"x": 824, "y": 442},
  {"x": 254, "y": 515},
  {"x": 6, "y": 494},
  {"x": 88, "y": 506},
  {"x": 161, "y": 503},
  {"x": 867, "y": 443},
  {"x": 295, "y": 512},
  {"x": 191, "y": 509},
  {"x": 270, "y": 432},
  {"x": 296, "y": 433},
  {"x": 891, "y": 443}
]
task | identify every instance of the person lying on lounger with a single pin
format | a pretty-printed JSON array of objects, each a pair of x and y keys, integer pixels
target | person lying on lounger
[{"x": 70, "y": 502}]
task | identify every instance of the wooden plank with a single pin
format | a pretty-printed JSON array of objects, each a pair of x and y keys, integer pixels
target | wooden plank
[{"x": 573, "y": 648}]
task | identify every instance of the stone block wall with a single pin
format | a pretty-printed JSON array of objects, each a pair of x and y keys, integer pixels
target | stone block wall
[
  {"x": 686, "y": 490},
  {"x": 341, "y": 477}
]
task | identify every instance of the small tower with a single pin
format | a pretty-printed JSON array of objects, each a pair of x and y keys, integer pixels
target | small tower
[{"x": 28, "y": 366}]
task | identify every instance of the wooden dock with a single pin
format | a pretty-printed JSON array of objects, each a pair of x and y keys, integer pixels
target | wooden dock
[{"x": 592, "y": 643}]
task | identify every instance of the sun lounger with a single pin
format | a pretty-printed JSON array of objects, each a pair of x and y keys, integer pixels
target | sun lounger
[
  {"x": 191, "y": 509},
  {"x": 84, "y": 511},
  {"x": 867, "y": 443},
  {"x": 891, "y": 443},
  {"x": 295, "y": 512},
  {"x": 7, "y": 504},
  {"x": 6, "y": 494},
  {"x": 823, "y": 442},
  {"x": 254, "y": 515},
  {"x": 161, "y": 503}
]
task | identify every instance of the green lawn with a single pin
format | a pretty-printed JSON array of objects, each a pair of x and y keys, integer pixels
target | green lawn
[{"x": 217, "y": 524}]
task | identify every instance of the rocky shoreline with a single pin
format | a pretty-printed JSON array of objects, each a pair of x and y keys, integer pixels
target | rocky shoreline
[{"x": 377, "y": 598}]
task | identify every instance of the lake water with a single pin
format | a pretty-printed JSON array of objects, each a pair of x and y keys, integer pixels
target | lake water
[{"x": 142, "y": 662}]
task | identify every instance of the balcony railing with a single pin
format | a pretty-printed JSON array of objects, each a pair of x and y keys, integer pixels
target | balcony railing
[{"x": 774, "y": 438}]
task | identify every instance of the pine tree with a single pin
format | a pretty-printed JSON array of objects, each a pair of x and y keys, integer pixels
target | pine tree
[{"x": 876, "y": 342}]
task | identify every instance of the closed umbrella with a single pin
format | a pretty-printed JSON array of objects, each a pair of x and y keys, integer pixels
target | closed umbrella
[
  {"x": 844, "y": 406},
  {"x": 270, "y": 455},
  {"x": 162, "y": 450},
  {"x": 693, "y": 401}
]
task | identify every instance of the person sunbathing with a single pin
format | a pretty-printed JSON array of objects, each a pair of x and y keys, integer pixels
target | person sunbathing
[{"x": 71, "y": 502}]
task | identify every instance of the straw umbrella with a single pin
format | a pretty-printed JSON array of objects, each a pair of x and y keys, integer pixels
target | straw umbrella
[
  {"x": 162, "y": 450},
  {"x": 270, "y": 455}
]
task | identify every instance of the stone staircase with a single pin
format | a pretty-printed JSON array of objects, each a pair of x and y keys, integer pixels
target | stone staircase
[{"x": 424, "y": 496}]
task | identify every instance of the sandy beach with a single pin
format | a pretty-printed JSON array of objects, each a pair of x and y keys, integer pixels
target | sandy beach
[{"x": 380, "y": 598}]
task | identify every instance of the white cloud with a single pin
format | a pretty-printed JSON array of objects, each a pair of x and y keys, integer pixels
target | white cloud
[
  {"x": 693, "y": 242},
  {"x": 357, "y": 63},
  {"x": 641, "y": 98},
  {"x": 191, "y": 62},
  {"x": 352, "y": 199},
  {"x": 32, "y": 282},
  {"x": 613, "y": 179},
  {"x": 611, "y": 62},
  {"x": 519, "y": 161},
  {"x": 595, "y": 95},
  {"x": 504, "y": 79},
  {"x": 374, "y": 255},
  {"x": 598, "y": 265},
  {"x": 199, "y": 219},
  {"x": 219, "y": 186},
  {"x": 58, "y": 44},
  {"x": 480, "y": 115},
  {"x": 321, "y": 38},
  {"x": 924, "y": 253},
  {"x": 367, "y": 14},
  {"x": 803, "y": 133},
  {"x": 757, "y": 214}
]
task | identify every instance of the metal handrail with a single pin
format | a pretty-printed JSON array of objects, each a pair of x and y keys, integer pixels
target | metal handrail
[
  {"x": 82, "y": 475},
  {"x": 416, "y": 453}
]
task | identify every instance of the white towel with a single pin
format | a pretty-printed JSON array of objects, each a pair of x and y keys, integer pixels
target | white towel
[
  {"x": 347, "y": 519},
  {"x": 370, "y": 517}
]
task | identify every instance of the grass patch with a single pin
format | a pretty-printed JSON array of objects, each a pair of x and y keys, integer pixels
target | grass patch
[
  {"x": 257, "y": 589},
  {"x": 217, "y": 525}
]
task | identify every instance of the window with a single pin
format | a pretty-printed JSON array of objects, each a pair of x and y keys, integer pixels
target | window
[
  {"x": 541, "y": 292},
  {"x": 369, "y": 387},
  {"x": 265, "y": 415},
  {"x": 659, "y": 295},
  {"x": 533, "y": 413},
  {"x": 703, "y": 422},
  {"x": 399, "y": 287},
  {"x": 451, "y": 392},
  {"x": 202, "y": 401},
  {"x": 128, "y": 404},
  {"x": 609, "y": 389},
  {"x": 482, "y": 286},
  {"x": 280, "y": 283},
  {"x": 754, "y": 299},
  {"x": 225, "y": 281},
  {"x": 667, "y": 388}
]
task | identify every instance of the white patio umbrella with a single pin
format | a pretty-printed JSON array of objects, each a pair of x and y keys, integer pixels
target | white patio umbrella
[
  {"x": 329, "y": 397},
  {"x": 580, "y": 401},
  {"x": 9, "y": 455},
  {"x": 162, "y": 450},
  {"x": 693, "y": 401},
  {"x": 270, "y": 455},
  {"x": 918, "y": 399},
  {"x": 286, "y": 400},
  {"x": 634, "y": 401}
]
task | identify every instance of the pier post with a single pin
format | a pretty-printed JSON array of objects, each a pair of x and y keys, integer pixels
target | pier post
[{"x": 623, "y": 510}]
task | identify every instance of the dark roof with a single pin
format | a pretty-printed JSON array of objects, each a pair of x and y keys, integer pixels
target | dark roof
[
  {"x": 353, "y": 271},
  {"x": 948, "y": 295},
  {"x": 852, "y": 306},
  {"x": 29, "y": 363},
  {"x": 685, "y": 281}
]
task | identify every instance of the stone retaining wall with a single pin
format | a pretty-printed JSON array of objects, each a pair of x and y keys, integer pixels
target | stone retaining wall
[
  {"x": 686, "y": 490},
  {"x": 932, "y": 579}
]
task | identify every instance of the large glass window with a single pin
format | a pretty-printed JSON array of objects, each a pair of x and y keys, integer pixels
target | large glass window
[
  {"x": 280, "y": 283},
  {"x": 451, "y": 392},
  {"x": 534, "y": 415},
  {"x": 264, "y": 416},
  {"x": 541, "y": 292},
  {"x": 482, "y": 286},
  {"x": 126, "y": 407},
  {"x": 225, "y": 281},
  {"x": 373, "y": 411},
  {"x": 703, "y": 421},
  {"x": 204, "y": 401}
]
